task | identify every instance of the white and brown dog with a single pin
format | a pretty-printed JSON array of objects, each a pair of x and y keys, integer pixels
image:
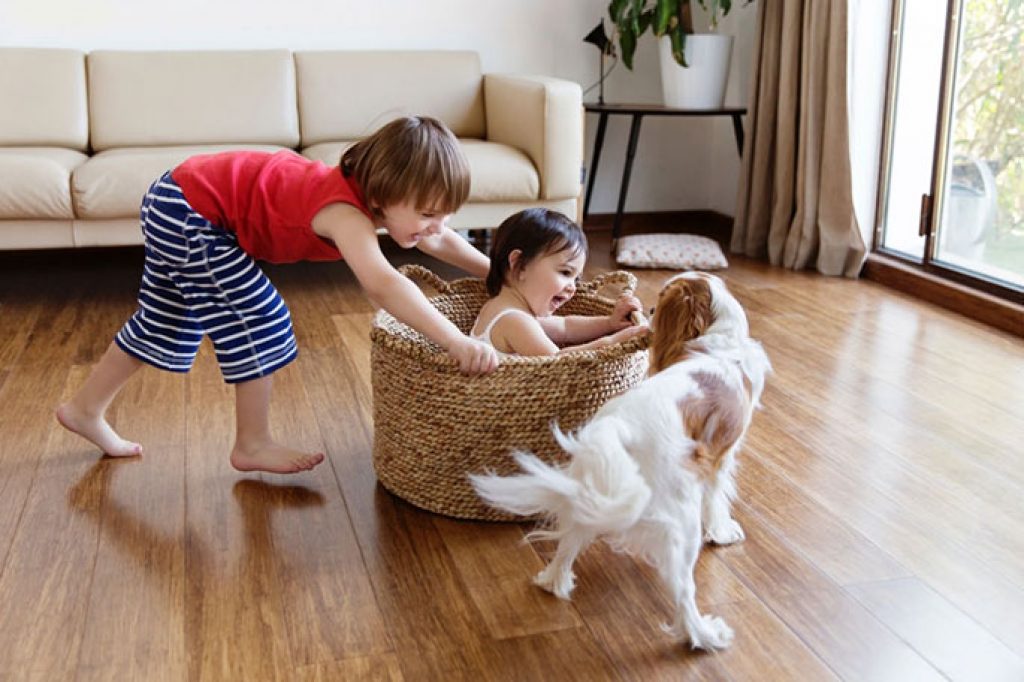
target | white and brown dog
[{"x": 657, "y": 460}]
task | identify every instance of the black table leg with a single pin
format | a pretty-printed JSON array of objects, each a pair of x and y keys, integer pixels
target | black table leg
[
  {"x": 737, "y": 128},
  {"x": 602, "y": 123},
  {"x": 634, "y": 134}
]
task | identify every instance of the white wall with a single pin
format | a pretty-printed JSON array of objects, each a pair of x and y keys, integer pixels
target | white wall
[
  {"x": 680, "y": 164},
  {"x": 868, "y": 50}
]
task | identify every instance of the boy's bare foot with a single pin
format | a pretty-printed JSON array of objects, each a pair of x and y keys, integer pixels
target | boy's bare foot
[
  {"x": 273, "y": 458},
  {"x": 96, "y": 430}
]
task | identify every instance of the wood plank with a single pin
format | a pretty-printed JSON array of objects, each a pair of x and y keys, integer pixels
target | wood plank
[
  {"x": 34, "y": 386},
  {"x": 826, "y": 411},
  {"x": 137, "y": 626},
  {"x": 496, "y": 567},
  {"x": 235, "y": 626},
  {"x": 379, "y": 668},
  {"x": 849, "y": 639},
  {"x": 944, "y": 292},
  {"x": 765, "y": 648},
  {"x": 951, "y": 641},
  {"x": 17, "y": 320},
  {"x": 432, "y": 624},
  {"x": 836, "y": 549},
  {"x": 955, "y": 571},
  {"x": 767, "y": 563},
  {"x": 947, "y": 368},
  {"x": 879, "y": 488},
  {"x": 49, "y": 566},
  {"x": 353, "y": 332},
  {"x": 331, "y": 611},
  {"x": 795, "y": 590},
  {"x": 561, "y": 655},
  {"x": 625, "y": 605}
]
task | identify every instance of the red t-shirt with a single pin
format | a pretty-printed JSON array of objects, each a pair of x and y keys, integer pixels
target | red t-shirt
[{"x": 268, "y": 200}]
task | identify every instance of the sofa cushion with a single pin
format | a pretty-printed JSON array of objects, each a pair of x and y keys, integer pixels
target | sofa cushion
[
  {"x": 44, "y": 101},
  {"x": 148, "y": 99},
  {"x": 498, "y": 172},
  {"x": 37, "y": 182},
  {"x": 345, "y": 95},
  {"x": 111, "y": 184}
]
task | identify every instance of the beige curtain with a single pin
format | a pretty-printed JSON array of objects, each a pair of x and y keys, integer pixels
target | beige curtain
[{"x": 796, "y": 198}]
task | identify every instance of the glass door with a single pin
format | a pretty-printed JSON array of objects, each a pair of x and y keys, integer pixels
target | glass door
[{"x": 953, "y": 193}]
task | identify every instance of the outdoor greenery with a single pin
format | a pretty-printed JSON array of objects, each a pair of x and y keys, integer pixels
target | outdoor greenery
[{"x": 988, "y": 121}]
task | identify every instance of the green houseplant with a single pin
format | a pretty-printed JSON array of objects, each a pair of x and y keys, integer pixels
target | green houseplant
[
  {"x": 666, "y": 18},
  {"x": 672, "y": 22}
]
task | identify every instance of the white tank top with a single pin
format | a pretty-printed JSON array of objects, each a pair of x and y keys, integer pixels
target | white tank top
[{"x": 485, "y": 335}]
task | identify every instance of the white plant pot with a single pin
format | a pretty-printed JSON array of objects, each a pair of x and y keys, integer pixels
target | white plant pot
[{"x": 701, "y": 85}]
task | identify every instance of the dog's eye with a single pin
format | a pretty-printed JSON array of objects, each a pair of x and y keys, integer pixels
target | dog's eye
[{"x": 650, "y": 313}]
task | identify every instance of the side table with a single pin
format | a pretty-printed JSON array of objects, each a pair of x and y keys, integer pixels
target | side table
[{"x": 637, "y": 112}]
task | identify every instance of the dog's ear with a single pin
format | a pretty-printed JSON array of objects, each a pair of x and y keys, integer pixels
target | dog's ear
[{"x": 683, "y": 313}]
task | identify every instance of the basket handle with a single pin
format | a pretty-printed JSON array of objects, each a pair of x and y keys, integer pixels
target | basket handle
[
  {"x": 425, "y": 275},
  {"x": 626, "y": 280}
]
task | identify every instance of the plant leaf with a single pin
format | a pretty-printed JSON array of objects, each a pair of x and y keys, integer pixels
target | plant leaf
[
  {"x": 627, "y": 40},
  {"x": 635, "y": 14},
  {"x": 663, "y": 12},
  {"x": 678, "y": 38},
  {"x": 615, "y": 10},
  {"x": 645, "y": 20}
]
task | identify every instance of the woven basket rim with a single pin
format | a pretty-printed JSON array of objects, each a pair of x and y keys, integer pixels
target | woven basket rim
[{"x": 439, "y": 359}]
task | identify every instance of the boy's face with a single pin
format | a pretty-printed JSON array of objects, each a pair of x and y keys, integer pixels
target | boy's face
[
  {"x": 407, "y": 224},
  {"x": 549, "y": 281}
]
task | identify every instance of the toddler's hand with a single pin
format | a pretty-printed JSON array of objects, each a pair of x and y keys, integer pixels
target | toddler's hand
[
  {"x": 474, "y": 357},
  {"x": 621, "y": 315},
  {"x": 627, "y": 333}
]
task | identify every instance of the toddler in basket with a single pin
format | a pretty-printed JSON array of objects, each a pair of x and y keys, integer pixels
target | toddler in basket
[{"x": 536, "y": 258}]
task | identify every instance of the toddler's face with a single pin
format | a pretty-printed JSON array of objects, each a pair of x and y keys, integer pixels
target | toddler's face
[
  {"x": 408, "y": 224},
  {"x": 549, "y": 281}
]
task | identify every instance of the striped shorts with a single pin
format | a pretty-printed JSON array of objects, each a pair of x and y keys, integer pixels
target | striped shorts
[{"x": 198, "y": 281}]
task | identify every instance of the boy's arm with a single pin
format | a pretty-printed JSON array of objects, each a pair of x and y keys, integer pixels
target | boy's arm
[
  {"x": 449, "y": 247},
  {"x": 354, "y": 235}
]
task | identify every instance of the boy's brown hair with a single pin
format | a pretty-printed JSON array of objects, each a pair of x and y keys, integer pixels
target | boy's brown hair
[{"x": 413, "y": 158}]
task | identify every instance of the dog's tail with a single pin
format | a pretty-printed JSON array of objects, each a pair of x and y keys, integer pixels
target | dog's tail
[{"x": 602, "y": 491}]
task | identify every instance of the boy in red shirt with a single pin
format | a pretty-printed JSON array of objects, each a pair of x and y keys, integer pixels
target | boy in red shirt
[{"x": 208, "y": 220}]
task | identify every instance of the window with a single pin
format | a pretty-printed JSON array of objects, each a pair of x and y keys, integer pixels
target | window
[{"x": 953, "y": 165}]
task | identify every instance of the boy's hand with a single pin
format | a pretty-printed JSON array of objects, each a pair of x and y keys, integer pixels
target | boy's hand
[
  {"x": 621, "y": 316},
  {"x": 474, "y": 357}
]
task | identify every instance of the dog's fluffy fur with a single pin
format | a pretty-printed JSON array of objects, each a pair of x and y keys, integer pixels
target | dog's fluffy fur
[{"x": 655, "y": 461}]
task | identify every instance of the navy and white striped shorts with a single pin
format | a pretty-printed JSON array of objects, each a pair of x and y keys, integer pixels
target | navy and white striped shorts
[{"x": 197, "y": 281}]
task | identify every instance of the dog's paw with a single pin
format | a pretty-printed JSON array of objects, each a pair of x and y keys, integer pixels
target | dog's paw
[
  {"x": 724, "y": 532},
  {"x": 711, "y": 633},
  {"x": 558, "y": 583}
]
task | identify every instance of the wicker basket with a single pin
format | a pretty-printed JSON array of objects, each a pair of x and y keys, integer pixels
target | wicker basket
[{"x": 433, "y": 425}]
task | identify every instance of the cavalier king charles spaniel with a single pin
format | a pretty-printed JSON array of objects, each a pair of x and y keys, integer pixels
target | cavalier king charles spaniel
[{"x": 656, "y": 463}]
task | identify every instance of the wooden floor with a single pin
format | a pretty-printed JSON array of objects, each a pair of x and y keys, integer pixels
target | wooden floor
[{"x": 881, "y": 492}]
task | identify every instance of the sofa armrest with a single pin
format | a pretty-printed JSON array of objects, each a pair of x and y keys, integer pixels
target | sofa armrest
[{"x": 543, "y": 117}]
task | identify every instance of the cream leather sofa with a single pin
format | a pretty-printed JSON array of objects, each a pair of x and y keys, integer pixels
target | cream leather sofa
[{"x": 83, "y": 135}]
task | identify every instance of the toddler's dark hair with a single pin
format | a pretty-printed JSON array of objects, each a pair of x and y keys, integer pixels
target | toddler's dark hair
[
  {"x": 535, "y": 232},
  {"x": 413, "y": 158}
]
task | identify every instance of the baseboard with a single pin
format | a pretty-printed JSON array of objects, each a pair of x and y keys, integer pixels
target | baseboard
[
  {"x": 969, "y": 302},
  {"x": 712, "y": 224}
]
